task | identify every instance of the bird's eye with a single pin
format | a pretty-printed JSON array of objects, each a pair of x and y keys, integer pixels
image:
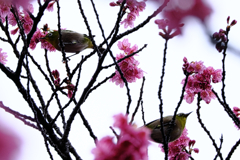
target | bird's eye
[{"x": 49, "y": 34}]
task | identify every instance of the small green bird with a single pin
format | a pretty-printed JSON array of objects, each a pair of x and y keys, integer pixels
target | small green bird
[
  {"x": 177, "y": 129},
  {"x": 73, "y": 42}
]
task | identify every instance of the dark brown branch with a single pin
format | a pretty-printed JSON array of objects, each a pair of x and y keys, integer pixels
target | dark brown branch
[
  {"x": 205, "y": 129},
  {"x": 139, "y": 100}
]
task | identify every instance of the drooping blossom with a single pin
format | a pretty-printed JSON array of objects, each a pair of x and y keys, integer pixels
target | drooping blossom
[
  {"x": 128, "y": 66},
  {"x": 3, "y": 57},
  {"x": 199, "y": 80},
  {"x": 169, "y": 31},
  {"x": 50, "y": 5},
  {"x": 56, "y": 75},
  {"x": 221, "y": 36},
  {"x": 131, "y": 144},
  {"x": 236, "y": 111},
  {"x": 176, "y": 149},
  {"x": 70, "y": 88},
  {"x": 134, "y": 8}
]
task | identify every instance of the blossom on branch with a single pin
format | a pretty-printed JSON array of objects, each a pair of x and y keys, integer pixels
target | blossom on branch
[
  {"x": 177, "y": 150},
  {"x": 37, "y": 38},
  {"x": 236, "y": 111},
  {"x": 3, "y": 57},
  {"x": 134, "y": 7},
  {"x": 177, "y": 10},
  {"x": 169, "y": 31},
  {"x": 131, "y": 144},
  {"x": 221, "y": 36},
  {"x": 199, "y": 80},
  {"x": 128, "y": 66}
]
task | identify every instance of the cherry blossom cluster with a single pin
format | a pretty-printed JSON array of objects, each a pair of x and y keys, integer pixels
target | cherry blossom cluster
[
  {"x": 177, "y": 10},
  {"x": 27, "y": 22},
  {"x": 199, "y": 80},
  {"x": 37, "y": 38},
  {"x": 22, "y": 12},
  {"x": 221, "y": 36},
  {"x": 3, "y": 57},
  {"x": 128, "y": 66},
  {"x": 70, "y": 87},
  {"x": 134, "y": 7},
  {"x": 236, "y": 111},
  {"x": 169, "y": 31},
  {"x": 131, "y": 144},
  {"x": 181, "y": 148}
]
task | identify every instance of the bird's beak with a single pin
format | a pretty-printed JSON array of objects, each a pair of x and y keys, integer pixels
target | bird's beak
[{"x": 188, "y": 114}]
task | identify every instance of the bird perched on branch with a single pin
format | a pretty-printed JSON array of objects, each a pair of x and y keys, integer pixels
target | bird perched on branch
[
  {"x": 176, "y": 131},
  {"x": 73, "y": 42}
]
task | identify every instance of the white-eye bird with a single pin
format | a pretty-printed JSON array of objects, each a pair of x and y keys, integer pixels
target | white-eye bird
[
  {"x": 176, "y": 131},
  {"x": 73, "y": 42}
]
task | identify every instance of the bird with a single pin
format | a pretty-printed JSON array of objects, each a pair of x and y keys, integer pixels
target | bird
[
  {"x": 73, "y": 42},
  {"x": 176, "y": 132}
]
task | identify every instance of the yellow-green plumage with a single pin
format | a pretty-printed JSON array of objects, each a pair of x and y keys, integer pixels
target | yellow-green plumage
[
  {"x": 73, "y": 42},
  {"x": 177, "y": 129}
]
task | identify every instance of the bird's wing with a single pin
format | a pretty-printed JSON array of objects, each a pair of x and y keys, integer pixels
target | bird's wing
[{"x": 156, "y": 123}]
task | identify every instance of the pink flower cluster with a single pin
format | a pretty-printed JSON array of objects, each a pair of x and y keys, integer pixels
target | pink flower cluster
[
  {"x": 200, "y": 80},
  {"x": 37, "y": 38},
  {"x": 70, "y": 87},
  {"x": 128, "y": 66},
  {"x": 23, "y": 3},
  {"x": 168, "y": 30},
  {"x": 131, "y": 144},
  {"x": 221, "y": 36},
  {"x": 24, "y": 17},
  {"x": 236, "y": 111},
  {"x": 3, "y": 57},
  {"x": 177, "y": 10},
  {"x": 56, "y": 75},
  {"x": 177, "y": 148},
  {"x": 134, "y": 7}
]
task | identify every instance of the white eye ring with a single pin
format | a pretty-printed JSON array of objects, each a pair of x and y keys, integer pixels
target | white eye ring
[{"x": 50, "y": 34}]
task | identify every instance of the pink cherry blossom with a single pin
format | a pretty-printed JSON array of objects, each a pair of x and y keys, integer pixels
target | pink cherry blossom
[
  {"x": 4, "y": 9},
  {"x": 169, "y": 31},
  {"x": 55, "y": 74},
  {"x": 134, "y": 8},
  {"x": 131, "y": 144},
  {"x": 124, "y": 45},
  {"x": 180, "y": 9},
  {"x": 199, "y": 80},
  {"x": 70, "y": 88},
  {"x": 128, "y": 22},
  {"x": 50, "y": 6},
  {"x": 3, "y": 57},
  {"x": 37, "y": 38},
  {"x": 128, "y": 66},
  {"x": 236, "y": 111},
  {"x": 176, "y": 149},
  {"x": 221, "y": 36}
]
